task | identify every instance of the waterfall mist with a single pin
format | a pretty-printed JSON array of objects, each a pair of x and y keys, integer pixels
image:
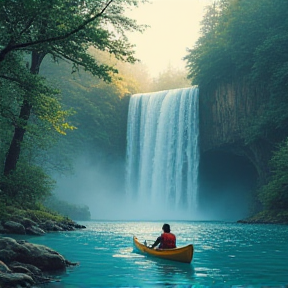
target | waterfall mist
[
  {"x": 162, "y": 180},
  {"x": 162, "y": 154}
]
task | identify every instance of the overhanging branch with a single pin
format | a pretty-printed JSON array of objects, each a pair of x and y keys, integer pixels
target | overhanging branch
[{"x": 10, "y": 47}]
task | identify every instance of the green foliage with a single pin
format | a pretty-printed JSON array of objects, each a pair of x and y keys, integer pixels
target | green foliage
[
  {"x": 101, "y": 110},
  {"x": 269, "y": 216},
  {"x": 42, "y": 214},
  {"x": 72, "y": 211},
  {"x": 31, "y": 108},
  {"x": 3, "y": 207},
  {"x": 233, "y": 34},
  {"x": 39, "y": 214},
  {"x": 274, "y": 195},
  {"x": 209, "y": 61},
  {"x": 26, "y": 186},
  {"x": 247, "y": 40},
  {"x": 67, "y": 29}
]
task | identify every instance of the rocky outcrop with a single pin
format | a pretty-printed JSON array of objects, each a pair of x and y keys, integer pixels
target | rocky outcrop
[
  {"x": 15, "y": 280},
  {"x": 23, "y": 225},
  {"x": 14, "y": 227},
  {"x": 23, "y": 264},
  {"x": 225, "y": 113}
]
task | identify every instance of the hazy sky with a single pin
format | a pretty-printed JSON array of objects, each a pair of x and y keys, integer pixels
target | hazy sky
[{"x": 174, "y": 27}]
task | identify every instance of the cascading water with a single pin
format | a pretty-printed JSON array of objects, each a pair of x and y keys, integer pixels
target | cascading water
[{"x": 162, "y": 153}]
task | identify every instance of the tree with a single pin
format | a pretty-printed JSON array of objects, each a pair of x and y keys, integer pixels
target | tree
[
  {"x": 100, "y": 108},
  {"x": 274, "y": 195},
  {"x": 246, "y": 42},
  {"x": 204, "y": 62},
  {"x": 32, "y": 25},
  {"x": 65, "y": 30}
]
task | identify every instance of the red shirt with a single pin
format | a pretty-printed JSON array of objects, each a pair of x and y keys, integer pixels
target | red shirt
[{"x": 168, "y": 241}]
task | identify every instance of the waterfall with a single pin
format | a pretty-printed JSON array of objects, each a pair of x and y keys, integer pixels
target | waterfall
[{"x": 162, "y": 152}]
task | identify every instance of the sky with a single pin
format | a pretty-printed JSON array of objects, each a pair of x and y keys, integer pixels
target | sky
[{"x": 174, "y": 27}]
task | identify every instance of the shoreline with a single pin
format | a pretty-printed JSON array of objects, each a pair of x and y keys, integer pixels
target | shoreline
[{"x": 23, "y": 264}]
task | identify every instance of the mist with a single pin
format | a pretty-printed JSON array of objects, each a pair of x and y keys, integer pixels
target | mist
[
  {"x": 225, "y": 185},
  {"x": 100, "y": 186},
  {"x": 224, "y": 188}
]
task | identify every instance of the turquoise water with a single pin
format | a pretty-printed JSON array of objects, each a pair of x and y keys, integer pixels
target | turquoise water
[{"x": 226, "y": 255}]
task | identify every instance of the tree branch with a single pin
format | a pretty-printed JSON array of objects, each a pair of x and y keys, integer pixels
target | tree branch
[
  {"x": 22, "y": 84},
  {"x": 27, "y": 26},
  {"x": 11, "y": 79},
  {"x": 10, "y": 47}
]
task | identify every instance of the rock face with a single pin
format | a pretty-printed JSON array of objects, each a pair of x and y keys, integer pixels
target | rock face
[
  {"x": 224, "y": 117},
  {"x": 22, "y": 263},
  {"x": 232, "y": 163},
  {"x": 15, "y": 280},
  {"x": 14, "y": 227},
  {"x": 40, "y": 256}
]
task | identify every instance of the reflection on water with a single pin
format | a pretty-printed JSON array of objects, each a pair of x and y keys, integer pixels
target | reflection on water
[
  {"x": 170, "y": 271},
  {"x": 226, "y": 255}
]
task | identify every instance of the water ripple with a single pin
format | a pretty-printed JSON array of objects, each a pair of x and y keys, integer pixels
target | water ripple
[{"x": 226, "y": 255}]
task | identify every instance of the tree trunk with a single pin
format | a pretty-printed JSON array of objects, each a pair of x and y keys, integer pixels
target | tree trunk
[{"x": 20, "y": 129}]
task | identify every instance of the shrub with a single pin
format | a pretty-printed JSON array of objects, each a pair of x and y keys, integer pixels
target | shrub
[
  {"x": 26, "y": 186},
  {"x": 274, "y": 195}
]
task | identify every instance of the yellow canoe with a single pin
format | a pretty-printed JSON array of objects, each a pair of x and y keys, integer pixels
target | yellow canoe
[{"x": 182, "y": 254}]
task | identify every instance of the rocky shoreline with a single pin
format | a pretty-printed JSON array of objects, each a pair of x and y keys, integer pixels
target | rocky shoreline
[
  {"x": 267, "y": 217},
  {"x": 23, "y": 226},
  {"x": 23, "y": 264}
]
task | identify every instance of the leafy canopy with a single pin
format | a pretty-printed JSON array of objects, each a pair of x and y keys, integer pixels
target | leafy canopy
[
  {"x": 63, "y": 29},
  {"x": 66, "y": 29}
]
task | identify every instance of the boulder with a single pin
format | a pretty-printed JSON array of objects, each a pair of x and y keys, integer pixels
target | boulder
[
  {"x": 40, "y": 256},
  {"x": 14, "y": 227},
  {"x": 50, "y": 225},
  {"x": 24, "y": 264},
  {"x": 4, "y": 268},
  {"x": 35, "y": 273},
  {"x": 22, "y": 225},
  {"x": 16, "y": 266},
  {"x": 11, "y": 280},
  {"x": 26, "y": 222},
  {"x": 34, "y": 230},
  {"x": 78, "y": 226}
]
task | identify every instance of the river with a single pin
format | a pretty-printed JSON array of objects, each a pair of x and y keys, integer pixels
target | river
[{"x": 226, "y": 255}]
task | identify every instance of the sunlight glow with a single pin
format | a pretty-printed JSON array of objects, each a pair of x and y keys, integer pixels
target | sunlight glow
[{"x": 174, "y": 27}]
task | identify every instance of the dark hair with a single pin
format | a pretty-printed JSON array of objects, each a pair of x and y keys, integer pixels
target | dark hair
[{"x": 166, "y": 228}]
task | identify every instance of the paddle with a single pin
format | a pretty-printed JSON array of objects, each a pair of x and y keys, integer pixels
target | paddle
[{"x": 147, "y": 240}]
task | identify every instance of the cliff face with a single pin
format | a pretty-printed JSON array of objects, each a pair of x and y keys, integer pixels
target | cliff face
[{"x": 225, "y": 115}]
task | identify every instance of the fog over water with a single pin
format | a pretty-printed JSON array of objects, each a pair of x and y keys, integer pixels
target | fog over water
[{"x": 101, "y": 188}]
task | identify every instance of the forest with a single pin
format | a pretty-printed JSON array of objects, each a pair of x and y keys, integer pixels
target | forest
[
  {"x": 67, "y": 71},
  {"x": 247, "y": 40}
]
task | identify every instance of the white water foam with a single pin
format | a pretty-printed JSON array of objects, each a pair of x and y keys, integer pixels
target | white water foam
[{"x": 163, "y": 154}]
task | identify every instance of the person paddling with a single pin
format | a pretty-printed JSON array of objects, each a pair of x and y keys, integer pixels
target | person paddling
[{"x": 167, "y": 240}]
